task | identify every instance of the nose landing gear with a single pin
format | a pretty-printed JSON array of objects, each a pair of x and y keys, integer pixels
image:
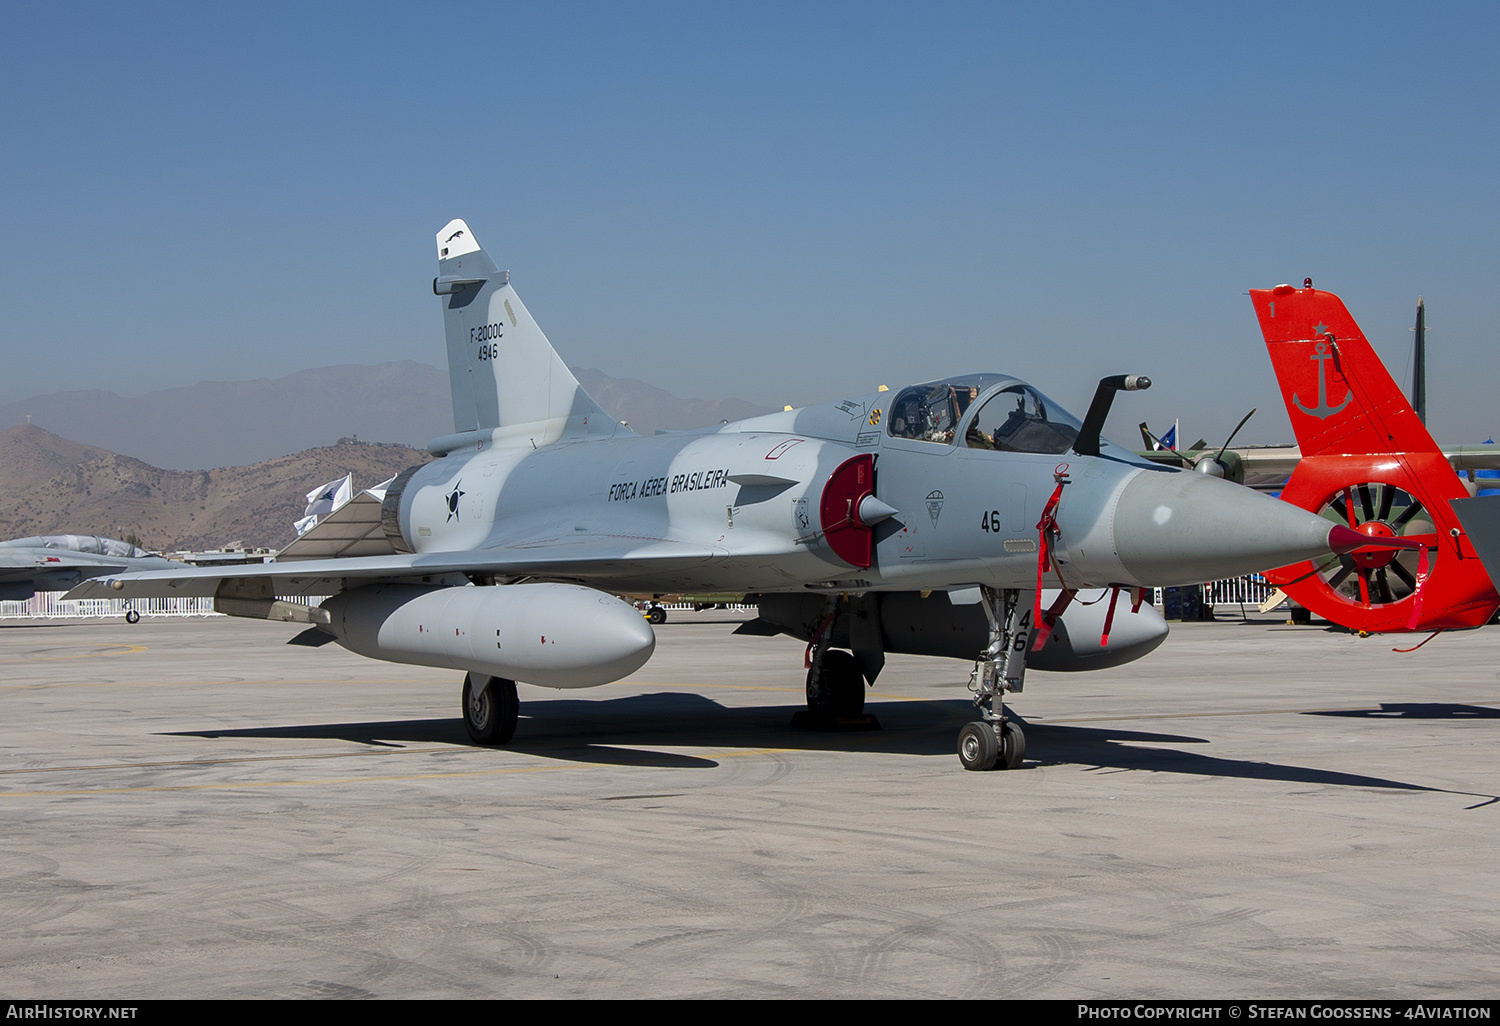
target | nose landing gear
[{"x": 996, "y": 740}]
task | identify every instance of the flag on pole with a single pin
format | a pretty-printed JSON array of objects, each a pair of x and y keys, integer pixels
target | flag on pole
[{"x": 323, "y": 500}]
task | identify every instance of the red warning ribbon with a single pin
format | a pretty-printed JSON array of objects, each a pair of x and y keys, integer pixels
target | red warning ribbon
[
  {"x": 1047, "y": 529},
  {"x": 1109, "y": 616},
  {"x": 1416, "y": 606}
]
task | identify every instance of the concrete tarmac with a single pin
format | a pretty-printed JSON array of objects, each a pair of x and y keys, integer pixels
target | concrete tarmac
[{"x": 191, "y": 808}]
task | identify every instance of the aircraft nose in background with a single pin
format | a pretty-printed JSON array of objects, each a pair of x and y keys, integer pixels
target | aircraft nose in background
[{"x": 1185, "y": 528}]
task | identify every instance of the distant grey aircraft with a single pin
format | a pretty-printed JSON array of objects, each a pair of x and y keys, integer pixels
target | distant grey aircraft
[
  {"x": 55, "y": 562},
  {"x": 926, "y": 520}
]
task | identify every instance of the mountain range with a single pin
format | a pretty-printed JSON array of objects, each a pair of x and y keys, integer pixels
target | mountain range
[{"x": 54, "y": 486}]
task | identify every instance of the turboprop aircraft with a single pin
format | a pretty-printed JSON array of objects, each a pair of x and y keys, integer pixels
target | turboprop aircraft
[
  {"x": 924, "y": 519},
  {"x": 1368, "y": 461},
  {"x": 53, "y": 562}
]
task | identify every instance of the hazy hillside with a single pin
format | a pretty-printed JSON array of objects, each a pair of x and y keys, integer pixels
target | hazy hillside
[
  {"x": 30, "y": 457},
  {"x": 224, "y": 423},
  {"x": 648, "y": 409},
  {"x": 93, "y": 491}
]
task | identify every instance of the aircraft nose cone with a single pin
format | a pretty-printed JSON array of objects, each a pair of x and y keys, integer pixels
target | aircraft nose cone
[{"x": 1185, "y": 528}]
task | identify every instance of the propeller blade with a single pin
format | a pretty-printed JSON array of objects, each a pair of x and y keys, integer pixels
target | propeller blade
[
  {"x": 1366, "y": 503},
  {"x": 1387, "y": 497},
  {"x": 1233, "y": 433},
  {"x": 1338, "y": 578},
  {"x": 1384, "y": 586},
  {"x": 1406, "y": 514},
  {"x": 1405, "y": 575}
]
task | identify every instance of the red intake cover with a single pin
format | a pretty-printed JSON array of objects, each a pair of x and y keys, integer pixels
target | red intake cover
[{"x": 849, "y": 537}]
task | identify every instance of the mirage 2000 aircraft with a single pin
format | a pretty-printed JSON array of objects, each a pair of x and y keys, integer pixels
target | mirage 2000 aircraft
[
  {"x": 52, "y": 562},
  {"x": 927, "y": 520}
]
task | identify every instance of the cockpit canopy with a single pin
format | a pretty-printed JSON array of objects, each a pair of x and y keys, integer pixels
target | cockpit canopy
[
  {"x": 91, "y": 544},
  {"x": 1013, "y": 418}
]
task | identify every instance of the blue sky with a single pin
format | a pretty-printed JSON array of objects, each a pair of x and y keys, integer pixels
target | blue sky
[{"x": 785, "y": 203}]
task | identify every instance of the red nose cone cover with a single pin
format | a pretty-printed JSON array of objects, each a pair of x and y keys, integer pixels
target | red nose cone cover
[
  {"x": 1343, "y": 540},
  {"x": 848, "y": 537}
]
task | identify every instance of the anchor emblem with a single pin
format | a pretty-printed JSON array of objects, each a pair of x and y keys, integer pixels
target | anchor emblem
[{"x": 1322, "y": 411}]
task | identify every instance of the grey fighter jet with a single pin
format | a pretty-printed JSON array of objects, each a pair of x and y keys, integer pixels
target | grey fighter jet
[
  {"x": 960, "y": 517},
  {"x": 54, "y": 562}
]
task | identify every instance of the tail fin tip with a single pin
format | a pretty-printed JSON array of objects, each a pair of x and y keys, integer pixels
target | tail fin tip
[
  {"x": 1337, "y": 392},
  {"x": 456, "y": 239}
]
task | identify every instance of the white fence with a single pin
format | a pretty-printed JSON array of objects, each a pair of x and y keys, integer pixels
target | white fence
[
  {"x": 1248, "y": 591},
  {"x": 51, "y": 604}
]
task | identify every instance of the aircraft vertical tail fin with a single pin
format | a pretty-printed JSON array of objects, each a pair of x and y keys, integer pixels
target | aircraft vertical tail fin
[
  {"x": 1338, "y": 394},
  {"x": 510, "y": 388},
  {"x": 1368, "y": 461}
]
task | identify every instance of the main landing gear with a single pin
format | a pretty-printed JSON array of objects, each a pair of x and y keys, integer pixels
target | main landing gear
[
  {"x": 490, "y": 709},
  {"x": 995, "y": 741},
  {"x": 835, "y": 686}
]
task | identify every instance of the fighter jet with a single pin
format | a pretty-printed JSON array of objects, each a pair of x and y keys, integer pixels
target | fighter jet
[
  {"x": 926, "y": 519},
  {"x": 53, "y": 562}
]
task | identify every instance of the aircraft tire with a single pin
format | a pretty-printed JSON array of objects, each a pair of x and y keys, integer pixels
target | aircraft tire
[
  {"x": 656, "y": 615},
  {"x": 978, "y": 747},
  {"x": 1012, "y": 745},
  {"x": 835, "y": 687},
  {"x": 131, "y": 616},
  {"x": 490, "y": 708},
  {"x": 848, "y": 686}
]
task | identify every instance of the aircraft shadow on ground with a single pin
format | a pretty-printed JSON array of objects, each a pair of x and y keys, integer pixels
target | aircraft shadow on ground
[
  {"x": 1417, "y": 711},
  {"x": 1110, "y": 750},
  {"x": 609, "y": 732}
]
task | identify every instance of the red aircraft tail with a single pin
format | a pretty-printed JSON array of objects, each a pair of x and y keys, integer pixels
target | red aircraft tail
[{"x": 1368, "y": 461}]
